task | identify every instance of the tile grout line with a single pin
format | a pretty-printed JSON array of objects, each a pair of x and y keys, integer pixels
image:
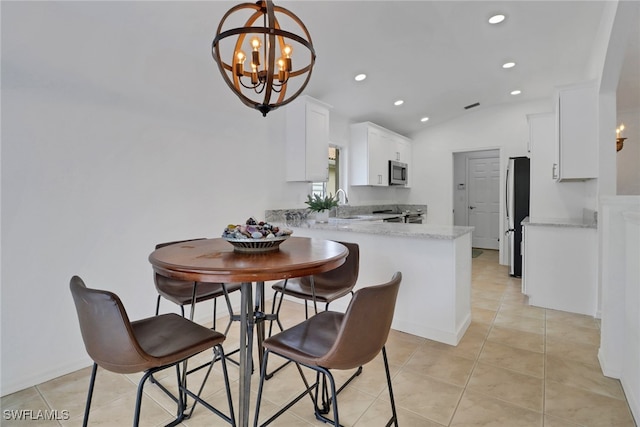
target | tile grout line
[
  {"x": 46, "y": 402},
  {"x": 476, "y": 359},
  {"x": 502, "y": 301}
]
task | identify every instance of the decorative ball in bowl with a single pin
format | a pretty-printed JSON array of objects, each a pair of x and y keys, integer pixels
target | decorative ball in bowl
[{"x": 254, "y": 236}]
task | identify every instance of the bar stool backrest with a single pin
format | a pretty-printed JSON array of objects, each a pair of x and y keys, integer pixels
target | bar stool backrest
[
  {"x": 365, "y": 326},
  {"x": 173, "y": 289},
  {"x": 106, "y": 330},
  {"x": 344, "y": 276}
]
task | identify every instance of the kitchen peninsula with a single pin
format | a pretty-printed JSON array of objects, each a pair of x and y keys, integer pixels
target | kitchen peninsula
[{"x": 434, "y": 301}]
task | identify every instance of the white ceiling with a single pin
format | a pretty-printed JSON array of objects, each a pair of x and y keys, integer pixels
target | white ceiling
[
  {"x": 628, "y": 96},
  {"x": 438, "y": 56},
  {"x": 441, "y": 56}
]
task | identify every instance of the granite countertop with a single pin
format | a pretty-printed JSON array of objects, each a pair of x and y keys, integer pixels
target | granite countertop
[
  {"x": 360, "y": 219},
  {"x": 377, "y": 226},
  {"x": 560, "y": 222}
]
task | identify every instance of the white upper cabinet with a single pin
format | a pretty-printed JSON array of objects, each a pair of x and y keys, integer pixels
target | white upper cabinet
[
  {"x": 401, "y": 149},
  {"x": 576, "y": 132},
  {"x": 371, "y": 148},
  {"x": 369, "y": 156},
  {"x": 307, "y": 140}
]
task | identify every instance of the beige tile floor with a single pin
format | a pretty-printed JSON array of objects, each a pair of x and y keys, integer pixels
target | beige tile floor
[{"x": 516, "y": 366}]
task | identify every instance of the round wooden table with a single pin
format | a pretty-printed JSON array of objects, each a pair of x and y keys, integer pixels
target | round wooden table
[{"x": 215, "y": 261}]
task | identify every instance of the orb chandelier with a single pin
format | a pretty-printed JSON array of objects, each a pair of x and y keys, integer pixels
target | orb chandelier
[{"x": 270, "y": 76}]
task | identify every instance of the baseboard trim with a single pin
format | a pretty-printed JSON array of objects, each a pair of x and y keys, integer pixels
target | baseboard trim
[
  {"x": 632, "y": 400},
  {"x": 44, "y": 376},
  {"x": 607, "y": 369}
]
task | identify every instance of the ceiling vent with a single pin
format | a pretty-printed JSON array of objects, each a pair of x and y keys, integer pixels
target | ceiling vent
[{"x": 470, "y": 106}]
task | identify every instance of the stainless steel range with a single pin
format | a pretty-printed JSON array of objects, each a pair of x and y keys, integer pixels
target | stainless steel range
[
  {"x": 413, "y": 217},
  {"x": 408, "y": 217}
]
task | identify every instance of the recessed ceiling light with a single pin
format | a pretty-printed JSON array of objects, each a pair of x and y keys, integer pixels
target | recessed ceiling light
[
  {"x": 424, "y": 119},
  {"x": 398, "y": 102},
  {"x": 516, "y": 92},
  {"x": 508, "y": 65},
  {"x": 360, "y": 77},
  {"x": 496, "y": 19}
]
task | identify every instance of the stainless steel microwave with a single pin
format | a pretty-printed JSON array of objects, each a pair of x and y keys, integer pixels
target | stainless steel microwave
[{"x": 397, "y": 173}]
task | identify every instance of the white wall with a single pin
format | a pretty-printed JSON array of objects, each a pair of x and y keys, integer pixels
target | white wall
[
  {"x": 628, "y": 159},
  {"x": 619, "y": 343},
  {"x": 116, "y": 137},
  {"x": 503, "y": 127},
  {"x": 618, "y": 25},
  {"x": 112, "y": 141}
]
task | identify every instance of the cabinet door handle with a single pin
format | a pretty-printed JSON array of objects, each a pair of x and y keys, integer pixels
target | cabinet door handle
[{"x": 554, "y": 171}]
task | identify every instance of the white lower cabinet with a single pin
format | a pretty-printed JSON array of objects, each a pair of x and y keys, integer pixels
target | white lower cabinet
[{"x": 560, "y": 267}]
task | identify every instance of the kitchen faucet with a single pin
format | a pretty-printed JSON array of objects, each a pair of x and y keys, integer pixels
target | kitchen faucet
[{"x": 346, "y": 199}]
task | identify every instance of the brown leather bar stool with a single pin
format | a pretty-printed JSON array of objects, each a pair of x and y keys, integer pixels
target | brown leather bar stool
[
  {"x": 331, "y": 340},
  {"x": 325, "y": 287},
  {"x": 183, "y": 292},
  {"x": 148, "y": 345}
]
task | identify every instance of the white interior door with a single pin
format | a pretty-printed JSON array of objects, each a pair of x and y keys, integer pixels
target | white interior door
[{"x": 484, "y": 201}]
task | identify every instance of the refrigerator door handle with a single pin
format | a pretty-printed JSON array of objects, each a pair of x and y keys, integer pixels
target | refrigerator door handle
[{"x": 506, "y": 192}]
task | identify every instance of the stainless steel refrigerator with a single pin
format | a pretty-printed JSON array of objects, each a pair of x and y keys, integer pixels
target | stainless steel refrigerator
[{"x": 517, "y": 209}]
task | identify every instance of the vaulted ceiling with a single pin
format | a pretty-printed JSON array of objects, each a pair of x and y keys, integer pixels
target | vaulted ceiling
[
  {"x": 440, "y": 56},
  {"x": 437, "y": 56}
]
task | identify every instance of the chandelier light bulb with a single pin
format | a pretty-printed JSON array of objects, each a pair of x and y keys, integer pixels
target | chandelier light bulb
[
  {"x": 240, "y": 58},
  {"x": 255, "y": 55},
  {"x": 282, "y": 67},
  {"x": 287, "y": 50},
  {"x": 254, "y": 73},
  {"x": 255, "y": 43}
]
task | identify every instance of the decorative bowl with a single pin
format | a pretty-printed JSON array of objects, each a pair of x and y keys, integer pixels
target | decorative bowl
[{"x": 256, "y": 245}]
